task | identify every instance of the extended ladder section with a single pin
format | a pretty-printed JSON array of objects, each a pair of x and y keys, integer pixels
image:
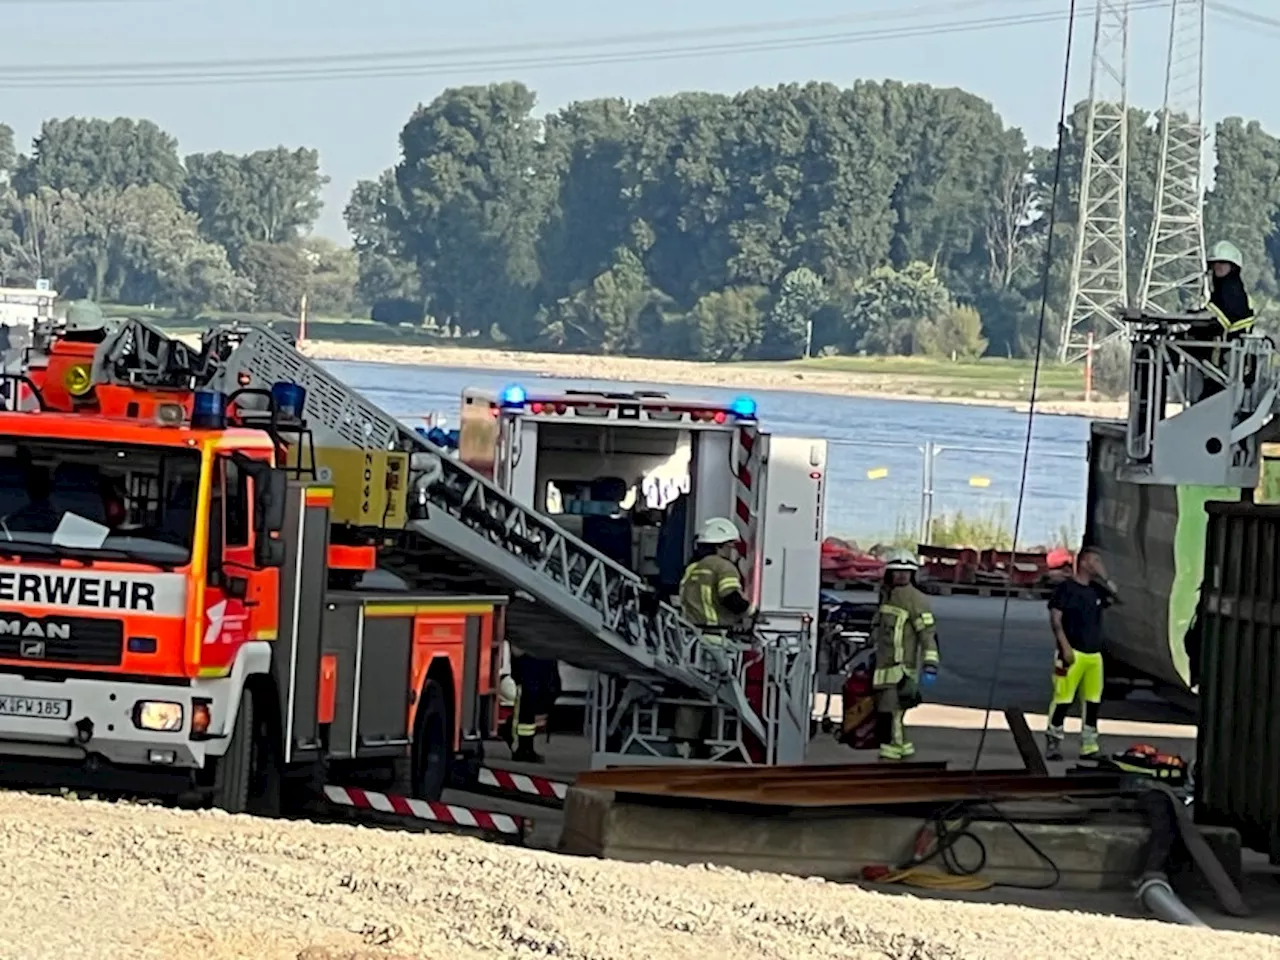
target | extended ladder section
[
  {"x": 1197, "y": 401},
  {"x": 570, "y": 602}
]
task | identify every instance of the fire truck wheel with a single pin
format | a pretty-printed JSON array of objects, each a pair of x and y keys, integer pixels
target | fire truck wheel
[
  {"x": 233, "y": 775},
  {"x": 247, "y": 778},
  {"x": 431, "y": 744}
]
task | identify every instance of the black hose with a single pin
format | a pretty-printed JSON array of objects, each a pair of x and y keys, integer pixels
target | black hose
[{"x": 1154, "y": 890}]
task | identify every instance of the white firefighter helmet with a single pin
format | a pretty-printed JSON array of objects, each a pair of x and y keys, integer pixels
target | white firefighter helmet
[
  {"x": 1224, "y": 251},
  {"x": 903, "y": 560},
  {"x": 718, "y": 531},
  {"x": 507, "y": 690}
]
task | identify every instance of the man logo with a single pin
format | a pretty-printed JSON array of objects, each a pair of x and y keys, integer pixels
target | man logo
[
  {"x": 38, "y": 629},
  {"x": 32, "y": 649}
]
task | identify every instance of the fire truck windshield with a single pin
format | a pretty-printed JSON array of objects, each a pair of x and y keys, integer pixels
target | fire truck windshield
[{"x": 91, "y": 500}]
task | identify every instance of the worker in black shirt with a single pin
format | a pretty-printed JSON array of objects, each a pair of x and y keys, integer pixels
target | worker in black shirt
[{"x": 1075, "y": 611}]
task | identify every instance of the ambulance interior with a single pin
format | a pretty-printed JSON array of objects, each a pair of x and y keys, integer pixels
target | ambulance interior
[{"x": 633, "y": 492}]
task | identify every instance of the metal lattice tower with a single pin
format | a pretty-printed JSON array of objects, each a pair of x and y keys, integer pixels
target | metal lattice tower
[
  {"x": 1099, "y": 272},
  {"x": 1173, "y": 275}
]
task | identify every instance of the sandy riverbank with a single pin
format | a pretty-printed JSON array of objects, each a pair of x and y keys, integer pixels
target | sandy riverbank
[{"x": 687, "y": 373}]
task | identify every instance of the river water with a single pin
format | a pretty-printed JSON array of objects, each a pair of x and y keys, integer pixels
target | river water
[{"x": 876, "y": 455}]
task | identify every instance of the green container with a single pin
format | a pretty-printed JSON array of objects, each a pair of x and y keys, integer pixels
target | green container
[
  {"x": 1238, "y": 740},
  {"x": 1152, "y": 540}
]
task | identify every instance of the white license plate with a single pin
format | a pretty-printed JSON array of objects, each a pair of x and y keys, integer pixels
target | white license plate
[{"x": 37, "y": 708}]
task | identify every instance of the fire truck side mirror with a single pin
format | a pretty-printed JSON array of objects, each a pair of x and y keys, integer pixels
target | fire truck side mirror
[
  {"x": 273, "y": 490},
  {"x": 269, "y": 551}
]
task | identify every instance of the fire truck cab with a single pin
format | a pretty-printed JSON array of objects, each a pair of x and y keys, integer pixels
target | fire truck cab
[
  {"x": 182, "y": 611},
  {"x": 635, "y": 475}
]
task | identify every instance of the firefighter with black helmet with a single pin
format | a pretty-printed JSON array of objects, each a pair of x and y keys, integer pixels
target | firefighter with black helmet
[{"x": 906, "y": 647}]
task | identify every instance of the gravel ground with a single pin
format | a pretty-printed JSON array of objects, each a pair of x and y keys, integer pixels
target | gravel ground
[{"x": 90, "y": 880}]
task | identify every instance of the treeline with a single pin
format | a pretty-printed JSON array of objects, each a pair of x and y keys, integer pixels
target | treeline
[
  {"x": 881, "y": 218},
  {"x": 107, "y": 209}
]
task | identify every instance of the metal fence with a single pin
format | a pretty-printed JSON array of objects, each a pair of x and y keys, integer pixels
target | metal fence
[{"x": 933, "y": 492}]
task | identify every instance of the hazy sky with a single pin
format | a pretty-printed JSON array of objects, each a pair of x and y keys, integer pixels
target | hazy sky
[{"x": 355, "y": 121}]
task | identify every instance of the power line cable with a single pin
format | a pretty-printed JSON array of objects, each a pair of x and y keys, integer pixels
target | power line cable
[
  {"x": 1246, "y": 16},
  {"x": 1046, "y": 273},
  {"x": 533, "y": 46},
  {"x": 262, "y": 70}
]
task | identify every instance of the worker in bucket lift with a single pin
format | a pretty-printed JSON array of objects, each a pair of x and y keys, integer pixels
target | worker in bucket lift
[
  {"x": 1228, "y": 312},
  {"x": 1075, "y": 612},
  {"x": 1228, "y": 299},
  {"x": 906, "y": 646}
]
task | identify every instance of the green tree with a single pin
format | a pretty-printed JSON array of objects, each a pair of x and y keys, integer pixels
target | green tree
[
  {"x": 786, "y": 326},
  {"x": 885, "y": 311},
  {"x": 954, "y": 335},
  {"x": 385, "y": 270},
  {"x": 86, "y": 155},
  {"x": 727, "y": 324},
  {"x": 269, "y": 196},
  {"x": 8, "y": 156},
  {"x": 331, "y": 282},
  {"x": 585, "y": 147},
  {"x": 1244, "y": 204},
  {"x": 474, "y": 196},
  {"x": 38, "y": 234},
  {"x": 955, "y": 151},
  {"x": 608, "y": 315},
  {"x": 278, "y": 272},
  {"x": 139, "y": 245}
]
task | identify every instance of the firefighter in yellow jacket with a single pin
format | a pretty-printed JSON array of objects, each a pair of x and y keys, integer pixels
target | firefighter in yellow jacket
[{"x": 906, "y": 648}]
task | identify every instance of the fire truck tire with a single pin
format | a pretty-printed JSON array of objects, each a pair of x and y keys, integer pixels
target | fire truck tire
[
  {"x": 247, "y": 778},
  {"x": 233, "y": 776},
  {"x": 432, "y": 745}
]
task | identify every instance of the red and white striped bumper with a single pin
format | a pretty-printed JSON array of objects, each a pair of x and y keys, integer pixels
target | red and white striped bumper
[
  {"x": 444, "y": 813},
  {"x": 523, "y": 783}
]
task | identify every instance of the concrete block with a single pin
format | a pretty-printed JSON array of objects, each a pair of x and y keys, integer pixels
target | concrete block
[{"x": 836, "y": 845}]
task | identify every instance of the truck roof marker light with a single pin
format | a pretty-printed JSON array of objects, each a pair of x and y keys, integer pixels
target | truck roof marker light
[
  {"x": 209, "y": 410},
  {"x": 744, "y": 408},
  {"x": 513, "y": 396}
]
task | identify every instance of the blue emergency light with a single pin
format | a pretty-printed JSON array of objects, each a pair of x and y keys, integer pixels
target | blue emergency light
[
  {"x": 744, "y": 408},
  {"x": 290, "y": 400},
  {"x": 208, "y": 410},
  {"x": 513, "y": 396}
]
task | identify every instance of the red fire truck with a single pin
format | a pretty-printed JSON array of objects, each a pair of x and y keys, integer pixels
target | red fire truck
[{"x": 192, "y": 595}]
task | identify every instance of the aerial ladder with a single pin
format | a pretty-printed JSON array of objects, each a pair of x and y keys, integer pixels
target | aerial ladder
[
  {"x": 568, "y": 602},
  {"x": 1199, "y": 401}
]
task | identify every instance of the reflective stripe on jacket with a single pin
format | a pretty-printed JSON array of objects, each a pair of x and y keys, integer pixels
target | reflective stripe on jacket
[
  {"x": 904, "y": 636},
  {"x": 1228, "y": 325},
  {"x": 704, "y": 586}
]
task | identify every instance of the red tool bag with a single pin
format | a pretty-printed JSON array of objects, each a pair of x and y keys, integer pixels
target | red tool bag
[{"x": 860, "y": 728}]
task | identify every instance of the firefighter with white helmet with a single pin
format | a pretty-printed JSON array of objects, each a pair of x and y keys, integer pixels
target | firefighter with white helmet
[
  {"x": 712, "y": 597},
  {"x": 906, "y": 647},
  {"x": 1228, "y": 299},
  {"x": 711, "y": 591},
  {"x": 1227, "y": 314}
]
